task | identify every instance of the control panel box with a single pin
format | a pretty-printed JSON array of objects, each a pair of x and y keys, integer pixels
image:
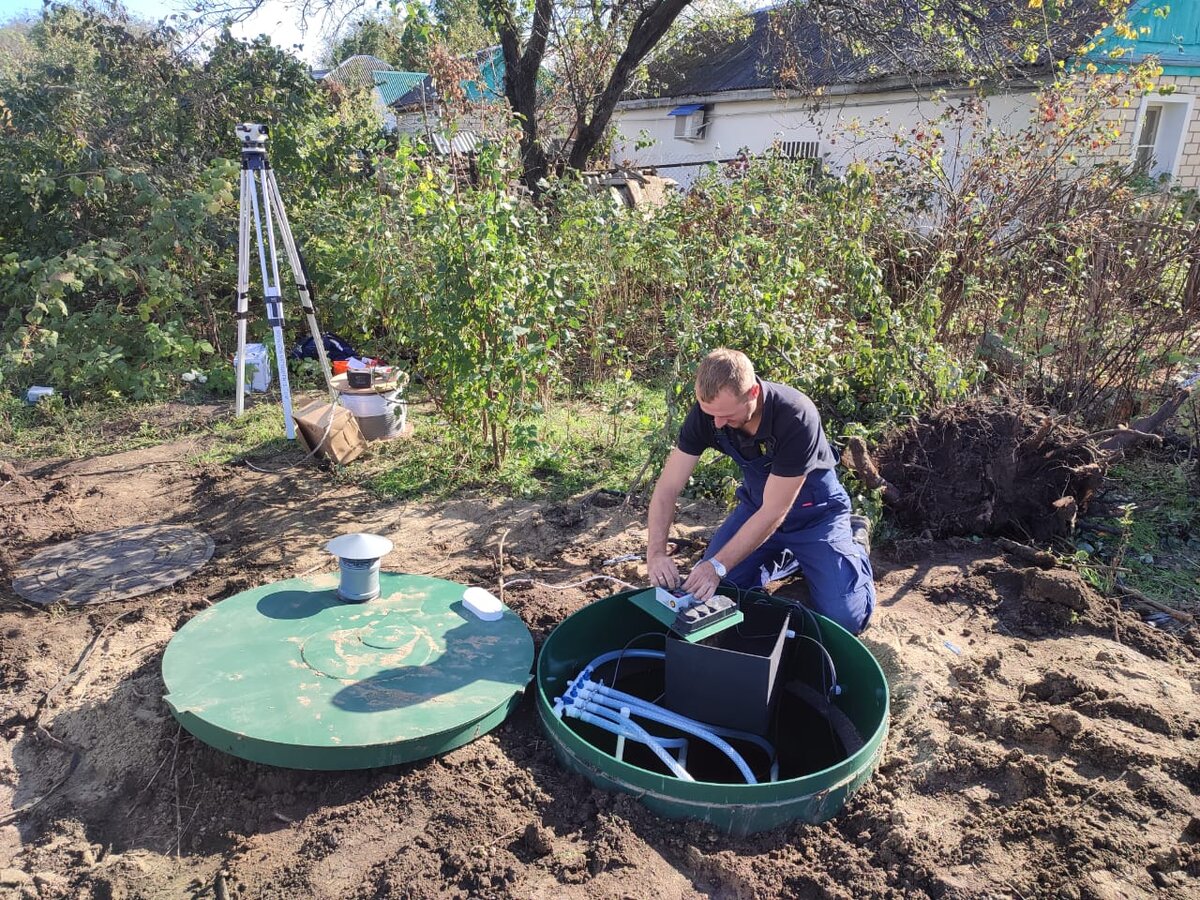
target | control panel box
[{"x": 731, "y": 678}]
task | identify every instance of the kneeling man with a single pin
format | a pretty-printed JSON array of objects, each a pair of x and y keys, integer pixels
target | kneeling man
[{"x": 792, "y": 511}]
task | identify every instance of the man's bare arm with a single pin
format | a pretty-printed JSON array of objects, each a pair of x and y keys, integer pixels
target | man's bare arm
[
  {"x": 779, "y": 495},
  {"x": 671, "y": 482}
]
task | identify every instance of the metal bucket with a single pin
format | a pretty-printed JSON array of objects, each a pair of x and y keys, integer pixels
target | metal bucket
[{"x": 380, "y": 415}]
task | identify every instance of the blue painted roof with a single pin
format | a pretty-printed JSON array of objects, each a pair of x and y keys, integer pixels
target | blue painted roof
[
  {"x": 1170, "y": 32},
  {"x": 686, "y": 110},
  {"x": 490, "y": 84},
  {"x": 394, "y": 85},
  {"x": 488, "y": 87}
]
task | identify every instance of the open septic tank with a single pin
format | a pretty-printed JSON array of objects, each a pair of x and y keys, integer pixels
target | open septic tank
[
  {"x": 772, "y": 716},
  {"x": 800, "y": 702}
]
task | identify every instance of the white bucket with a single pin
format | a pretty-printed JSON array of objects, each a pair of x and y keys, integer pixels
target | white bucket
[
  {"x": 384, "y": 403},
  {"x": 380, "y": 415},
  {"x": 258, "y": 367}
]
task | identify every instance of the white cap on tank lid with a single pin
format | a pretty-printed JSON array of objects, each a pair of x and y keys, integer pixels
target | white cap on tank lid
[{"x": 359, "y": 546}]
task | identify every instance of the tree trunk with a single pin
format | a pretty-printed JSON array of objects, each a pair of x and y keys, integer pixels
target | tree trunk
[
  {"x": 521, "y": 67},
  {"x": 645, "y": 34}
]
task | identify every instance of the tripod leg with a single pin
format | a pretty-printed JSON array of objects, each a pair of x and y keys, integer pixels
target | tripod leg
[
  {"x": 243, "y": 293},
  {"x": 301, "y": 276},
  {"x": 274, "y": 305}
]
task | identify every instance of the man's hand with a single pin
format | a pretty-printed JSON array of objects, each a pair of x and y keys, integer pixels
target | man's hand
[
  {"x": 663, "y": 571},
  {"x": 675, "y": 475},
  {"x": 702, "y": 581}
]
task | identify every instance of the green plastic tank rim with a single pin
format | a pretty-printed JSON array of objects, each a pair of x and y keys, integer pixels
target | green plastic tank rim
[
  {"x": 321, "y": 759},
  {"x": 735, "y": 808}
]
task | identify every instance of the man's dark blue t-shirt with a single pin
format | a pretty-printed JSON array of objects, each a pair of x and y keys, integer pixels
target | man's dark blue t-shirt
[{"x": 790, "y": 430}]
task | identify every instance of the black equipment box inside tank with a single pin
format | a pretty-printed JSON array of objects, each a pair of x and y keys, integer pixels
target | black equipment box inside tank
[{"x": 730, "y": 678}]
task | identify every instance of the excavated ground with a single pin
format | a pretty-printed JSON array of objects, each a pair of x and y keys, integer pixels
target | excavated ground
[
  {"x": 991, "y": 466},
  {"x": 1043, "y": 742}
]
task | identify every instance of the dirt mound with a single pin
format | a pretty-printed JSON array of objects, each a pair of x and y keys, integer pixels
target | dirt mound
[
  {"x": 987, "y": 467},
  {"x": 9, "y": 473}
]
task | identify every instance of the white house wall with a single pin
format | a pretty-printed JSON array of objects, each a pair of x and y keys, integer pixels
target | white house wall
[
  {"x": 386, "y": 117},
  {"x": 862, "y": 127},
  {"x": 1184, "y": 89},
  {"x": 857, "y": 127}
]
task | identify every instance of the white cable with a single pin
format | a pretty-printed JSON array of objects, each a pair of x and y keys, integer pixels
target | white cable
[
  {"x": 574, "y": 584},
  {"x": 312, "y": 452}
]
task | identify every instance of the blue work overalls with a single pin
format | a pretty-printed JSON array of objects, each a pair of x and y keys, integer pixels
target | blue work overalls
[{"x": 815, "y": 538}]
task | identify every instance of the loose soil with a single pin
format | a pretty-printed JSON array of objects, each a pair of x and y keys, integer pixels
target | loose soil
[
  {"x": 1044, "y": 743},
  {"x": 991, "y": 466}
]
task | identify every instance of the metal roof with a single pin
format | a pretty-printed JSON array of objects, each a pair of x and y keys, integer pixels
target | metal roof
[
  {"x": 464, "y": 142},
  {"x": 788, "y": 48},
  {"x": 394, "y": 85},
  {"x": 418, "y": 96},
  {"x": 357, "y": 71},
  {"x": 488, "y": 87}
]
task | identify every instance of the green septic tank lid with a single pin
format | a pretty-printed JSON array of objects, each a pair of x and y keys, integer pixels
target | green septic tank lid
[{"x": 287, "y": 674}]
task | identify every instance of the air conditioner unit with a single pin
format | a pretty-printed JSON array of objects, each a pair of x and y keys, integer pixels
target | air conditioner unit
[
  {"x": 800, "y": 149},
  {"x": 691, "y": 122}
]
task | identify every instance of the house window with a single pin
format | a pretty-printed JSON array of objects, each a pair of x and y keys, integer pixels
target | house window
[
  {"x": 1160, "y": 133},
  {"x": 1143, "y": 154},
  {"x": 691, "y": 122},
  {"x": 800, "y": 149}
]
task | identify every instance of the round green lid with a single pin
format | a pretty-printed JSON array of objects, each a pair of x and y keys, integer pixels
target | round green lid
[{"x": 288, "y": 674}]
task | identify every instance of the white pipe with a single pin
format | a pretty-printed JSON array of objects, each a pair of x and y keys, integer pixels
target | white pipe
[
  {"x": 631, "y": 729},
  {"x": 599, "y": 661},
  {"x": 638, "y": 702},
  {"x": 666, "y": 717},
  {"x": 687, "y": 726},
  {"x": 681, "y": 743},
  {"x": 704, "y": 731},
  {"x": 621, "y": 738}
]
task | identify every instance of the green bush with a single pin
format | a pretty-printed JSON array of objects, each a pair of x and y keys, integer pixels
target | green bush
[
  {"x": 118, "y": 197},
  {"x": 779, "y": 263},
  {"x": 118, "y": 204}
]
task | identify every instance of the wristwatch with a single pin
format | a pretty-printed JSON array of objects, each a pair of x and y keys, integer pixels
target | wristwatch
[{"x": 718, "y": 566}]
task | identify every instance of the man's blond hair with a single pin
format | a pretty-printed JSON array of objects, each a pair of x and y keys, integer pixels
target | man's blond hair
[{"x": 721, "y": 369}]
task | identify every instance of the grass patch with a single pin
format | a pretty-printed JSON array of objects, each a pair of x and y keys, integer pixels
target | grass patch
[
  {"x": 1158, "y": 549},
  {"x": 602, "y": 438},
  {"x": 258, "y": 433},
  {"x": 54, "y": 428},
  {"x": 598, "y": 439}
]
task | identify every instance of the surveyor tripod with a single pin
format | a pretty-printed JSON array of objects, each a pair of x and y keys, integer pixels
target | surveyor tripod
[{"x": 257, "y": 177}]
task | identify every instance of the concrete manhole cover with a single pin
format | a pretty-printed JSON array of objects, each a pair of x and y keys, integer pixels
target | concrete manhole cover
[{"x": 113, "y": 565}]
